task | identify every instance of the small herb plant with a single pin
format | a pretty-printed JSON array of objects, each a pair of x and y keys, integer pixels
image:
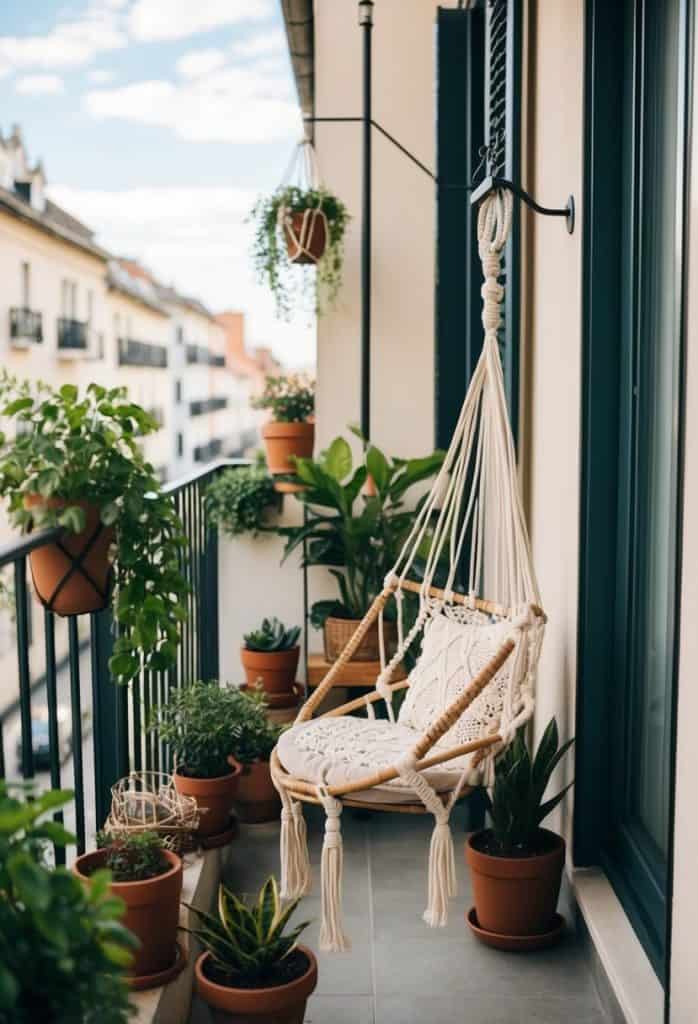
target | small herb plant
[
  {"x": 290, "y": 399},
  {"x": 74, "y": 448},
  {"x": 133, "y": 856},
  {"x": 270, "y": 254},
  {"x": 254, "y": 736},
  {"x": 272, "y": 635},
  {"x": 516, "y": 806},
  {"x": 62, "y": 949},
  {"x": 241, "y": 499},
  {"x": 248, "y": 943}
]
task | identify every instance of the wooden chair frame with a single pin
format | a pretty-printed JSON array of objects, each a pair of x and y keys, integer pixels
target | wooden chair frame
[{"x": 307, "y": 791}]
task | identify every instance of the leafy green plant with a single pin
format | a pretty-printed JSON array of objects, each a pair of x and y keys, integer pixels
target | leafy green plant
[
  {"x": 516, "y": 806},
  {"x": 272, "y": 635},
  {"x": 254, "y": 736},
  {"x": 290, "y": 398},
  {"x": 270, "y": 253},
  {"x": 357, "y": 536},
  {"x": 82, "y": 448},
  {"x": 133, "y": 856},
  {"x": 241, "y": 498},
  {"x": 62, "y": 949},
  {"x": 247, "y": 943}
]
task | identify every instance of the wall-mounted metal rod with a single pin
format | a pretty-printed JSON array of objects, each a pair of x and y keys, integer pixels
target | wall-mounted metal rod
[
  {"x": 366, "y": 23},
  {"x": 492, "y": 184}
]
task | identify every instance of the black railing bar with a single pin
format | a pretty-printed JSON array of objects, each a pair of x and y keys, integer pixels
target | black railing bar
[
  {"x": 24, "y": 675},
  {"x": 54, "y": 739},
  {"x": 76, "y": 726},
  {"x": 40, "y": 681},
  {"x": 136, "y": 724},
  {"x": 3, "y": 772},
  {"x": 15, "y": 550},
  {"x": 177, "y": 485}
]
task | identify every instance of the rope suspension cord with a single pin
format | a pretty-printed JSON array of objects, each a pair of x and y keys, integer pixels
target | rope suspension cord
[{"x": 303, "y": 172}]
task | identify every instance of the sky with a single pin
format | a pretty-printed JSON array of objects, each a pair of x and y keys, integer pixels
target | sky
[{"x": 159, "y": 122}]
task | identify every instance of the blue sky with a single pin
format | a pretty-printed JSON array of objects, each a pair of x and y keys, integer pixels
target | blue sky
[{"x": 158, "y": 122}]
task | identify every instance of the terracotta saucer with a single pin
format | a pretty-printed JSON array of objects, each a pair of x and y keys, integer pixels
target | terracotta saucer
[
  {"x": 277, "y": 701},
  {"x": 143, "y": 981},
  {"x": 516, "y": 943},
  {"x": 222, "y": 838}
]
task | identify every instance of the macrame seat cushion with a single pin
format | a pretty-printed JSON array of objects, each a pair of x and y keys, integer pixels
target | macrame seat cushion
[{"x": 339, "y": 750}]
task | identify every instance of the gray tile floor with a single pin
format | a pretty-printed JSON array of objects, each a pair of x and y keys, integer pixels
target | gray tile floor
[{"x": 399, "y": 971}]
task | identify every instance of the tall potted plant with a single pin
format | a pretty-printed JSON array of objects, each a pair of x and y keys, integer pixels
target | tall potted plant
[
  {"x": 290, "y": 433},
  {"x": 516, "y": 866},
  {"x": 148, "y": 878},
  {"x": 252, "y": 741},
  {"x": 270, "y": 656},
  {"x": 300, "y": 225},
  {"x": 198, "y": 723},
  {"x": 63, "y": 950},
  {"x": 252, "y": 968},
  {"x": 356, "y": 535},
  {"x": 74, "y": 461}
]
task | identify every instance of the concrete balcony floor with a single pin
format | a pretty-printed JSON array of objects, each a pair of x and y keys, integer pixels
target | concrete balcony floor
[{"x": 399, "y": 971}]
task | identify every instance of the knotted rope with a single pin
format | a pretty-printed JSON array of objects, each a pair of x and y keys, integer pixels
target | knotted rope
[
  {"x": 333, "y": 938},
  {"x": 295, "y": 860}
]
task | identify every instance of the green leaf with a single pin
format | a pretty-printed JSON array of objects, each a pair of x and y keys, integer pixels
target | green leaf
[
  {"x": 377, "y": 465},
  {"x": 73, "y": 519},
  {"x": 30, "y": 881},
  {"x": 109, "y": 513},
  {"x": 337, "y": 460},
  {"x": 9, "y": 989},
  {"x": 19, "y": 405}
]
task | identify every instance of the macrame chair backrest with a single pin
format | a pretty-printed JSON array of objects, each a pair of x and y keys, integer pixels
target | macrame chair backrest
[{"x": 306, "y": 233}]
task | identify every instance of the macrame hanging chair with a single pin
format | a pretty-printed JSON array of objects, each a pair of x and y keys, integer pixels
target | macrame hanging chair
[
  {"x": 306, "y": 232},
  {"x": 472, "y": 685}
]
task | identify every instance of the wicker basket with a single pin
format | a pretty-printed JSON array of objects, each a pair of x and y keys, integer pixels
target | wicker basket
[
  {"x": 148, "y": 802},
  {"x": 338, "y": 633}
]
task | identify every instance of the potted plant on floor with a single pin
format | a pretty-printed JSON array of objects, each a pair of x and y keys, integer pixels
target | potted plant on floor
[
  {"x": 516, "y": 866},
  {"x": 251, "y": 969},
  {"x": 198, "y": 722},
  {"x": 253, "y": 739},
  {"x": 290, "y": 433},
  {"x": 298, "y": 225},
  {"x": 74, "y": 462},
  {"x": 270, "y": 659},
  {"x": 356, "y": 535},
  {"x": 242, "y": 499},
  {"x": 63, "y": 950},
  {"x": 148, "y": 878}
]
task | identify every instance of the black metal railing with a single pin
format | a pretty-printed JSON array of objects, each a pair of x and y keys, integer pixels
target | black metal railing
[
  {"x": 25, "y": 325},
  {"x": 203, "y": 356},
  {"x": 204, "y": 405},
  {"x": 63, "y": 721},
  {"x": 72, "y": 334},
  {"x": 141, "y": 353}
]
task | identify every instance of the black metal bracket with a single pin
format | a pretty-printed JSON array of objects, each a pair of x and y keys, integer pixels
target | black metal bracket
[{"x": 484, "y": 188}]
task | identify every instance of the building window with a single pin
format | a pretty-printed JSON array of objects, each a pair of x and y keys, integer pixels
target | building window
[
  {"x": 178, "y": 391},
  {"x": 180, "y": 444}
]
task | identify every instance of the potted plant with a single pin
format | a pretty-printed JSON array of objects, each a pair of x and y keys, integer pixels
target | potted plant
[
  {"x": 253, "y": 739},
  {"x": 251, "y": 969},
  {"x": 241, "y": 499},
  {"x": 74, "y": 462},
  {"x": 290, "y": 433},
  {"x": 63, "y": 950},
  {"x": 358, "y": 536},
  {"x": 296, "y": 225},
  {"x": 197, "y": 723},
  {"x": 148, "y": 878},
  {"x": 516, "y": 866},
  {"x": 270, "y": 658}
]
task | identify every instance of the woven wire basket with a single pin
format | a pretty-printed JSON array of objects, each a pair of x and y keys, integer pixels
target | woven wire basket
[{"x": 148, "y": 802}]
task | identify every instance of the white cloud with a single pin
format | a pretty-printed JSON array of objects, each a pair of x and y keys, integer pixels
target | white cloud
[
  {"x": 200, "y": 62},
  {"x": 197, "y": 239},
  {"x": 71, "y": 42},
  {"x": 237, "y": 105},
  {"x": 101, "y": 77},
  {"x": 263, "y": 44},
  {"x": 39, "y": 85},
  {"x": 162, "y": 19}
]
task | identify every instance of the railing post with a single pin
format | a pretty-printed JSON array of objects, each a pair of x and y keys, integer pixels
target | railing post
[
  {"x": 209, "y": 634},
  {"x": 110, "y": 716}
]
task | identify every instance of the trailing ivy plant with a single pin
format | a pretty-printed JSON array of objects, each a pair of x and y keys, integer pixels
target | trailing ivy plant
[
  {"x": 241, "y": 499},
  {"x": 70, "y": 447},
  {"x": 270, "y": 254}
]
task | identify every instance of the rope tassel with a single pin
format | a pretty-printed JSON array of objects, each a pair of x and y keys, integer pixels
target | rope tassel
[
  {"x": 333, "y": 938},
  {"x": 442, "y": 875},
  {"x": 295, "y": 861}
]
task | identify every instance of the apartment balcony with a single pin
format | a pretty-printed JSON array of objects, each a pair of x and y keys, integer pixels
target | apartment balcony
[
  {"x": 73, "y": 337},
  {"x": 203, "y": 356},
  {"x": 204, "y": 405},
  {"x": 141, "y": 353},
  {"x": 25, "y": 327}
]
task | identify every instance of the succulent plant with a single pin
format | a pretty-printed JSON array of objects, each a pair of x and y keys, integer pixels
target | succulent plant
[
  {"x": 247, "y": 942},
  {"x": 272, "y": 635}
]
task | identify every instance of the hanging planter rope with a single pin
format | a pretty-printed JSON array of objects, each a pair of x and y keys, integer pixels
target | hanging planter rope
[{"x": 306, "y": 232}]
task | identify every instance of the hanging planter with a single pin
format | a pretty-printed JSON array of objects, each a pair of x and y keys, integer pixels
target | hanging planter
[{"x": 300, "y": 223}]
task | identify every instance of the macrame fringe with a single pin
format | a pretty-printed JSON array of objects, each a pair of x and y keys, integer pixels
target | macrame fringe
[
  {"x": 333, "y": 938},
  {"x": 442, "y": 875},
  {"x": 295, "y": 861}
]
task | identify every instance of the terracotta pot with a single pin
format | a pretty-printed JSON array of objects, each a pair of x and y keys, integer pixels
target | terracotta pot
[
  {"x": 516, "y": 895},
  {"x": 282, "y": 440},
  {"x": 276, "y": 670},
  {"x": 338, "y": 632},
  {"x": 152, "y": 911},
  {"x": 256, "y": 799},
  {"x": 86, "y": 589},
  {"x": 312, "y": 242},
  {"x": 214, "y": 798},
  {"x": 283, "y": 1004}
]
